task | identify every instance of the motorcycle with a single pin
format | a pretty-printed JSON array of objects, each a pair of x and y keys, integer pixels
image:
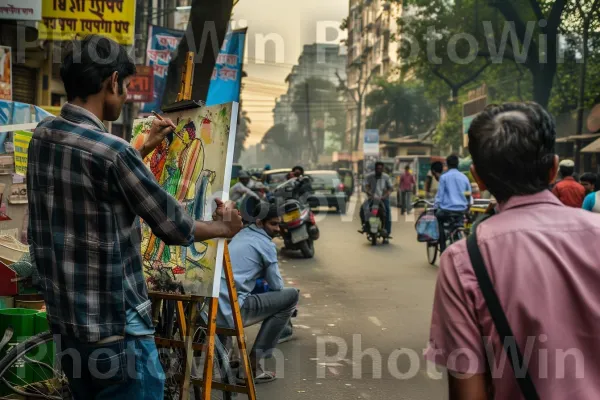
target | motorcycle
[
  {"x": 298, "y": 227},
  {"x": 374, "y": 226}
]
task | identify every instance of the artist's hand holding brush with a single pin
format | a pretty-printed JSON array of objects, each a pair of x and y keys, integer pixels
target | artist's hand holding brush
[
  {"x": 227, "y": 221},
  {"x": 158, "y": 132}
]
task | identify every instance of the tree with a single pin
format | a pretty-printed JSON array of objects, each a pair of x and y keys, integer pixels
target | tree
[
  {"x": 400, "y": 108},
  {"x": 356, "y": 95},
  {"x": 475, "y": 34},
  {"x": 204, "y": 36},
  {"x": 316, "y": 103},
  {"x": 449, "y": 134},
  {"x": 585, "y": 23}
]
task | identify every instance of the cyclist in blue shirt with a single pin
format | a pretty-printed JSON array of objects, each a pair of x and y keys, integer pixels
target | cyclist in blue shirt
[{"x": 451, "y": 199}]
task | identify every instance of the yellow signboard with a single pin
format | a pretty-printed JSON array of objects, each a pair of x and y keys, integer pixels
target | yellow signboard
[
  {"x": 68, "y": 19},
  {"x": 21, "y": 140}
]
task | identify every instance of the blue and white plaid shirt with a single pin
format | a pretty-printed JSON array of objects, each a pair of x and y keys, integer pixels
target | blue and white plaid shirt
[{"x": 86, "y": 188}]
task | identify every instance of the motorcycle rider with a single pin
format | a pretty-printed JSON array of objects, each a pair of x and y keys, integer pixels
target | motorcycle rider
[
  {"x": 243, "y": 187},
  {"x": 304, "y": 187},
  {"x": 378, "y": 186}
]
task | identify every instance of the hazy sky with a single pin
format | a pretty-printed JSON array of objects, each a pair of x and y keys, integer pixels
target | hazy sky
[{"x": 296, "y": 23}]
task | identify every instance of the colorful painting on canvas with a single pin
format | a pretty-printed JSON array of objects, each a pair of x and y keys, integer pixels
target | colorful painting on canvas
[{"x": 194, "y": 166}]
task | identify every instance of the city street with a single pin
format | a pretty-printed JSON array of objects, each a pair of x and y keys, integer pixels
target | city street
[{"x": 361, "y": 297}]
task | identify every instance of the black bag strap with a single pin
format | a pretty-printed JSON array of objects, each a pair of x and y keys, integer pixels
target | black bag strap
[{"x": 498, "y": 316}]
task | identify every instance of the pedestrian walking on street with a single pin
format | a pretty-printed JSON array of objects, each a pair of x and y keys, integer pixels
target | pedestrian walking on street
[
  {"x": 591, "y": 183},
  {"x": 407, "y": 187},
  {"x": 86, "y": 190},
  {"x": 527, "y": 278},
  {"x": 568, "y": 190}
]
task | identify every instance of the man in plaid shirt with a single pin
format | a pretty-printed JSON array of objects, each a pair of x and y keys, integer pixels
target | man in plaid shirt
[{"x": 86, "y": 189}]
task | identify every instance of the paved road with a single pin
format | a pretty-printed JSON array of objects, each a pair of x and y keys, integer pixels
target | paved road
[{"x": 355, "y": 300}]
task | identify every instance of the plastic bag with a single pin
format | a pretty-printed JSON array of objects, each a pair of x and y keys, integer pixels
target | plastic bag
[{"x": 427, "y": 228}]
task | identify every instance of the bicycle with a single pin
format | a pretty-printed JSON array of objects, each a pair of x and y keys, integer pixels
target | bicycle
[
  {"x": 48, "y": 381},
  {"x": 455, "y": 230}
]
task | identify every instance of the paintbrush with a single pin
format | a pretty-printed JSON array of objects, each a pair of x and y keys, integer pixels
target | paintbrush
[{"x": 172, "y": 124}]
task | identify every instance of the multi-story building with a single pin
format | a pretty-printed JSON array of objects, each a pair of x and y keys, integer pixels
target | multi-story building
[
  {"x": 371, "y": 52},
  {"x": 317, "y": 60}
]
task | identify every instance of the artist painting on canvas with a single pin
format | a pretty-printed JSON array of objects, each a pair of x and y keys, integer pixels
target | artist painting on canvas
[{"x": 83, "y": 221}]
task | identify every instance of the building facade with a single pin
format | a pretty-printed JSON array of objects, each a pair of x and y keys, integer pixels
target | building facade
[
  {"x": 371, "y": 53},
  {"x": 324, "y": 61}
]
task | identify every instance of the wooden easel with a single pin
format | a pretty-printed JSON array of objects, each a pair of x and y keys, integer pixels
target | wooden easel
[{"x": 188, "y": 328}]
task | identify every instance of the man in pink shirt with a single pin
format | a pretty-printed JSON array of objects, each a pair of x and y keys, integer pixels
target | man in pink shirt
[
  {"x": 407, "y": 186},
  {"x": 544, "y": 264}
]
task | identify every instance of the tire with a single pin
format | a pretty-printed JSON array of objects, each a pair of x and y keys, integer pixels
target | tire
[
  {"x": 456, "y": 236},
  {"x": 432, "y": 252},
  {"x": 307, "y": 248},
  {"x": 342, "y": 209},
  {"x": 50, "y": 391},
  {"x": 373, "y": 240}
]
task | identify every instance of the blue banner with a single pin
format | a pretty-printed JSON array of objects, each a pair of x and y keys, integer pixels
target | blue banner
[
  {"x": 6, "y": 112},
  {"x": 41, "y": 114},
  {"x": 162, "y": 42},
  {"x": 227, "y": 76}
]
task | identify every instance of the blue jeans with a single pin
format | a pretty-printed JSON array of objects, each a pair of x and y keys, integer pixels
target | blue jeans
[
  {"x": 126, "y": 369},
  {"x": 388, "y": 215}
]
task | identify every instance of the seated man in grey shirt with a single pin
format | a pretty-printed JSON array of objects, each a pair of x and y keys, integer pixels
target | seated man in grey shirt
[{"x": 254, "y": 255}]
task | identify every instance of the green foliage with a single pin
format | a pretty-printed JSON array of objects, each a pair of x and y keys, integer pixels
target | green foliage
[
  {"x": 455, "y": 42},
  {"x": 319, "y": 99},
  {"x": 449, "y": 133},
  {"x": 400, "y": 108}
]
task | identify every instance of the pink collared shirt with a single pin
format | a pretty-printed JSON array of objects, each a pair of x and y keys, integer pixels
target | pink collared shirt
[{"x": 544, "y": 262}]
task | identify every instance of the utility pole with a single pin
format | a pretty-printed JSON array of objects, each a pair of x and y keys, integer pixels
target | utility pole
[{"x": 311, "y": 144}]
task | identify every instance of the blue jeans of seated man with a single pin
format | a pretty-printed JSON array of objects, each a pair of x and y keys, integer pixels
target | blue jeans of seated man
[
  {"x": 274, "y": 309},
  {"x": 126, "y": 369}
]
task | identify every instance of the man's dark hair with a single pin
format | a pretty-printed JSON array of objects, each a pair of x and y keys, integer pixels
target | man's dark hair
[
  {"x": 89, "y": 62},
  {"x": 512, "y": 146},
  {"x": 266, "y": 211},
  {"x": 378, "y": 163},
  {"x": 566, "y": 171},
  {"x": 452, "y": 161},
  {"x": 300, "y": 168},
  {"x": 590, "y": 178},
  {"x": 437, "y": 166}
]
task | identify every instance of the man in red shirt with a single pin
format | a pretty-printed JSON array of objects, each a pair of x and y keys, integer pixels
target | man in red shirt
[
  {"x": 570, "y": 192},
  {"x": 407, "y": 186}
]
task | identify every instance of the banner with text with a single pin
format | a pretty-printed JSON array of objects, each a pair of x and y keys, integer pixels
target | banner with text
[
  {"x": 227, "y": 76},
  {"x": 141, "y": 85},
  {"x": 22, "y": 10},
  {"x": 5, "y": 73},
  {"x": 67, "y": 19},
  {"x": 371, "y": 144},
  {"x": 21, "y": 140},
  {"x": 162, "y": 42}
]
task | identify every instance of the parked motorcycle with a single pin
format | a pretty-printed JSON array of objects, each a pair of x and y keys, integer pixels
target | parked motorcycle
[
  {"x": 374, "y": 226},
  {"x": 298, "y": 227}
]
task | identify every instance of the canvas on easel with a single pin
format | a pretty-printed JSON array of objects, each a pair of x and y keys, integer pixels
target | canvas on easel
[{"x": 194, "y": 166}]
